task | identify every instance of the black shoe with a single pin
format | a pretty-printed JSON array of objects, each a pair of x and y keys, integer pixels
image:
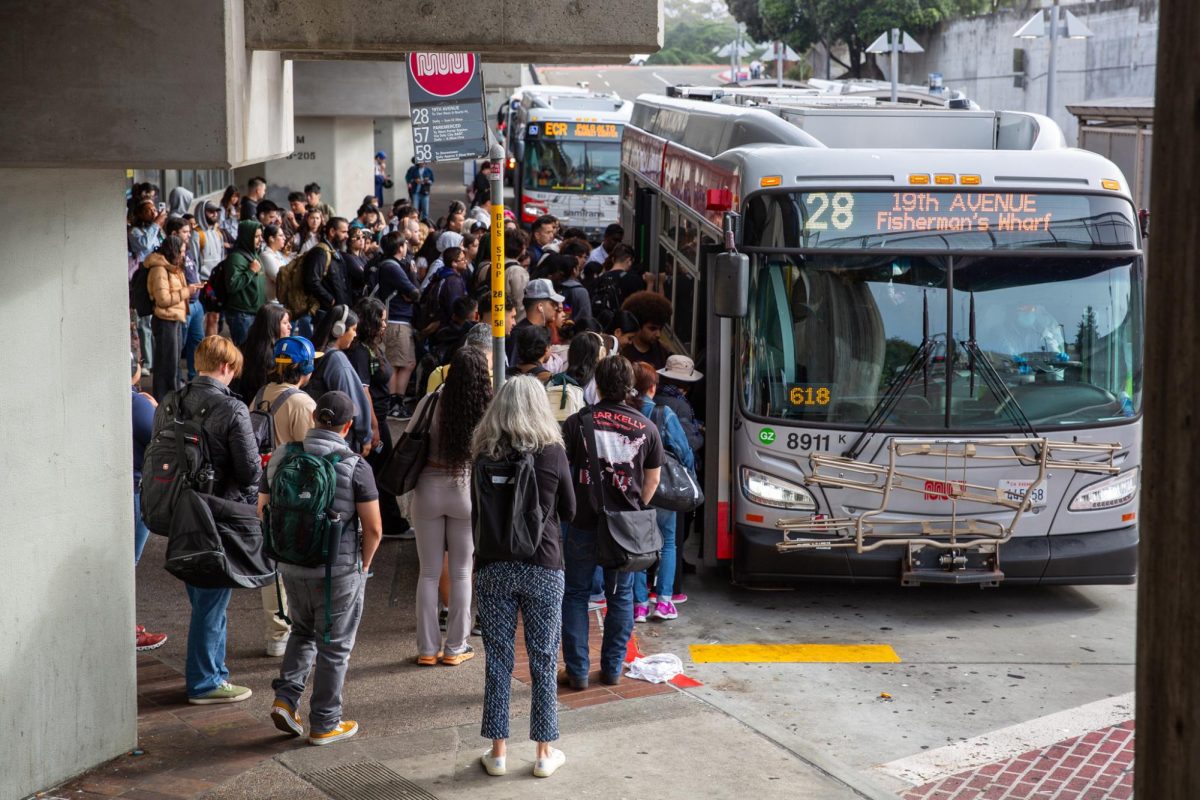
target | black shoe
[{"x": 610, "y": 680}]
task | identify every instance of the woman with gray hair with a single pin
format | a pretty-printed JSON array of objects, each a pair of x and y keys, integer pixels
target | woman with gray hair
[{"x": 519, "y": 422}]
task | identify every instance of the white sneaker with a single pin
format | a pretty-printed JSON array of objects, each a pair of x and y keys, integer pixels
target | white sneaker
[
  {"x": 545, "y": 767},
  {"x": 276, "y": 647},
  {"x": 493, "y": 764}
]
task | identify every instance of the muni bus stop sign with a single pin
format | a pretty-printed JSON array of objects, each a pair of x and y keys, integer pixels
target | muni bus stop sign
[{"x": 445, "y": 98}]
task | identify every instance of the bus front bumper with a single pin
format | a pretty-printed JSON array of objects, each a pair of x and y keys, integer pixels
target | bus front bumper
[{"x": 1100, "y": 557}]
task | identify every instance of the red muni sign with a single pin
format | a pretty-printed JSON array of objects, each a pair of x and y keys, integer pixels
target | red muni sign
[{"x": 442, "y": 74}]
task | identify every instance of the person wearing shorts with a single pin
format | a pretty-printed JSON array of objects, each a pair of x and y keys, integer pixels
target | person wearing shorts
[{"x": 398, "y": 291}]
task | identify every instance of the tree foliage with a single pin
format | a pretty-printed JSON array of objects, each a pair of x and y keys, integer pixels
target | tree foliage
[
  {"x": 691, "y": 32},
  {"x": 854, "y": 23}
]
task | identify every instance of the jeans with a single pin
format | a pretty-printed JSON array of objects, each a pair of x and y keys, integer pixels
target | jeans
[
  {"x": 307, "y": 645},
  {"x": 421, "y": 203},
  {"x": 205, "y": 668},
  {"x": 580, "y": 559},
  {"x": 192, "y": 336},
  {"x": 146, "y": 341},
  {"x": 664, "y": 576},
  {"x": 168, "y": 343},
  {"x": 303, "y": 326},
  {"x": 140, "y": 532},
  {"x": 239, "y": 325}
]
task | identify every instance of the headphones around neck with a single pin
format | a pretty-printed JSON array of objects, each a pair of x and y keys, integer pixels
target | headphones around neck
[{"x": 339, "y": 328}]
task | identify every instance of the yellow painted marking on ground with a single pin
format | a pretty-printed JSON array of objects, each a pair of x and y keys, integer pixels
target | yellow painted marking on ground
[{"x": 794, "y": 653}]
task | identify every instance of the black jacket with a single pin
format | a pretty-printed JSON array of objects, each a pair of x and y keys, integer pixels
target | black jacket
[
  {"x": 331, "y": 287},
  {"x": 237, "y": 466}
]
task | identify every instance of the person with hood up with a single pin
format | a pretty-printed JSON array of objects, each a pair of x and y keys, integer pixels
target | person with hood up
[
  {"x": 212, "y": 250},
  {"x": 245, "y": 284},
  {"x": 179, "y": 201}
]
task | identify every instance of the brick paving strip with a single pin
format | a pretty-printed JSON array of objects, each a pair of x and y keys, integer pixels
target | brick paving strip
[
  {"x": 1095, "y": 766},
  {"x": 187, "y": 750}
]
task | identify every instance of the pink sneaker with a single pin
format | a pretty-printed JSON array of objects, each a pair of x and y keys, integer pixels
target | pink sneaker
[
  {"x": 640, "y": 612},
  {"x": 665, "y": 610},
  {"x": 679, "y": 599}
]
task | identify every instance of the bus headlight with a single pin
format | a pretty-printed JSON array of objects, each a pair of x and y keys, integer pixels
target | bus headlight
[
  {"x": 1108, "y": 493},
  {"x": 767, "y": 490}
]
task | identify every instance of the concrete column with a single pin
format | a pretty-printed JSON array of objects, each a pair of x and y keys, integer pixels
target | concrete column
[
  {"x": 1168, "y": 691},
  {"x": 66, "y": 484},
  {"x": 336, "y": 152}
]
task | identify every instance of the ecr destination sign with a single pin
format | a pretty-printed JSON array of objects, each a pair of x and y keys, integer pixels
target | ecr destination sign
[{"x": 445, "y": 99}]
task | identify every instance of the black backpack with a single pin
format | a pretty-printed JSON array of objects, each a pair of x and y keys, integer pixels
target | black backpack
[
  {"x": 176, "y": 459},
  {"x": 606, "y": 295},
  {"x": 428, "y": 309},
  {"x": 505, "y": 510},
  {"x": 139, "y": 292},
  {"x": 213, "y": 296},
  {"x": 262, "y": 419},
  {"x": 316, "y": 383}
]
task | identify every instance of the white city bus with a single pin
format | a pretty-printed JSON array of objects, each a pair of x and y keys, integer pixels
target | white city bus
[
  {"x": 929, "y": 361},
  {"x": 567, "y": 149}
]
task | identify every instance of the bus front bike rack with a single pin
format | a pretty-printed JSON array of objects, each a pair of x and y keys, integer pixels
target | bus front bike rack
[{"x": 960, "y": 547}]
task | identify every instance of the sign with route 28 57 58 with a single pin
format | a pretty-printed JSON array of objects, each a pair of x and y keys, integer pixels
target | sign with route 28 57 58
[{"x": 445, "y": 99}]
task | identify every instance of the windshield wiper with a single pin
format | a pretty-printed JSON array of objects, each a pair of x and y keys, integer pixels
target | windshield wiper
[
  {"x": 992, "y": 379},
  {"x": 898, "y": 385}
]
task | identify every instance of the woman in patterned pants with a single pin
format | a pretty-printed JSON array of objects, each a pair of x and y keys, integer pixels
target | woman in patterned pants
[{"x": 519, "y": 422}]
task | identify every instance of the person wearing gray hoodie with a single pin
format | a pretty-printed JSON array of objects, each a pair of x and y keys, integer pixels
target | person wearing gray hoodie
[{"x": 211, "y": 242}]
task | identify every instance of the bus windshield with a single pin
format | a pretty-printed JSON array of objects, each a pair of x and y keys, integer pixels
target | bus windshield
[
  {"x": 1059, "y": 337},
  {"x": 554, "y": 165}
]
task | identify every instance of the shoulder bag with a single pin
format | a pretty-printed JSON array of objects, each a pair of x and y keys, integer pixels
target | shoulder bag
[{"x": 628, "y": 541}]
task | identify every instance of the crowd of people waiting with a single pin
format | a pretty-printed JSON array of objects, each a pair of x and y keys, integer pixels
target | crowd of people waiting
[{"x": 333, "y": 325}]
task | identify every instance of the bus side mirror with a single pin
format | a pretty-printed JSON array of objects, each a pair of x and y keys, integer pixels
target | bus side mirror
[{"x": 731, "y": 285}]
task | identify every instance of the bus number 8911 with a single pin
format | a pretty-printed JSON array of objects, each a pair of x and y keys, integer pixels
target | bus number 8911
[{"x": 840, "y": 208}]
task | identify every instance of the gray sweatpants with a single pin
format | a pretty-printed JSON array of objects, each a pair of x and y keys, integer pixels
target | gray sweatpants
[{"x": 306, "y": 602}]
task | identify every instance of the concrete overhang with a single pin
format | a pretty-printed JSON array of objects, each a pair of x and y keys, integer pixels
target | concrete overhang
[
  {"x": 503, "y": 30},
  {"x": 127, "y": 83}
]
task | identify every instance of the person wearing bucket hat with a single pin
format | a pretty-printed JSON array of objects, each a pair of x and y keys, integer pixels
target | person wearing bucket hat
[{"x": 680, "y": 375}]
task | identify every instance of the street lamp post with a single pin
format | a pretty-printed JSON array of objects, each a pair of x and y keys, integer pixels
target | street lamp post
[{"x": 1063, "y": 24}]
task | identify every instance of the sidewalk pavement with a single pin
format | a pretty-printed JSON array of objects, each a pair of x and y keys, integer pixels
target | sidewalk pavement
[{"x": 420, "y": 725}]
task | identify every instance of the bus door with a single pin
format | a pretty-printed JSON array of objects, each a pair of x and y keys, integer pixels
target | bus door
[
  {"x": 645, "y": 228},
  {"x": 716, "y": 336}
]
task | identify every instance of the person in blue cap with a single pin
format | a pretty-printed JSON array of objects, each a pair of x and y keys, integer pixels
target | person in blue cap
[{"x": 382, "y": 179}]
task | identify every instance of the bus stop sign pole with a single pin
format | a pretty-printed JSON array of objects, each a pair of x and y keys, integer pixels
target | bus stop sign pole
[{"x": 499, "y": 364}]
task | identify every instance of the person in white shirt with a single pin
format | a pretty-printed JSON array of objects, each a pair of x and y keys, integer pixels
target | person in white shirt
[{"x": 613, "y": 235}]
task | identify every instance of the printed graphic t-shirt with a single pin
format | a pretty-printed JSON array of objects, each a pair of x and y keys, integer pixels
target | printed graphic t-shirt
[{"x": 627, "y": 444}]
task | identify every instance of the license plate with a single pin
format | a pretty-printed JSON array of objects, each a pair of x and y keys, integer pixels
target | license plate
[{"x": 1015, "y": 490}]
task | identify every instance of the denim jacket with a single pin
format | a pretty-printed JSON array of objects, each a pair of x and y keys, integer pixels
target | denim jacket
[{"x": 672, "y": 433}]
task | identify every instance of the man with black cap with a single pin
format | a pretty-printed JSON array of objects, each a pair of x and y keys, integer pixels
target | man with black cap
[{"x": 326, "y": 639}]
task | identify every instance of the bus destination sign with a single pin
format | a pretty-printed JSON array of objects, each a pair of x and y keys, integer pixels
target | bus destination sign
[
  {"x": 967, "y": 218},
  {"x": 576, "y": 130}
]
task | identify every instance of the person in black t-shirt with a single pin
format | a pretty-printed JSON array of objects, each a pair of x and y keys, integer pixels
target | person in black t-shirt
[
  {"x": 630, "y": 452},
  {"x": 653, "y": 312},
  {"x": 367, "y": 356}
]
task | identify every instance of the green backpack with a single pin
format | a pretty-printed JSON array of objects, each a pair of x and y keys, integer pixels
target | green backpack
[{"x": 300, "y": 526}]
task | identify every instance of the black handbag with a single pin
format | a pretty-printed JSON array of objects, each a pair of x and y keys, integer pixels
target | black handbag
[
  {"x": 216, "y": 543},
  {"x": 627, "y": 541},
  {"x": 677, "y": 489},
  {"x": 407, "y": 459}
]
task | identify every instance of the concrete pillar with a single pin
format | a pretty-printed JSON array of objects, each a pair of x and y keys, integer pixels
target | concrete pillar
[
  {"x": 66, "y": 483},
  {"x": 1168, "y": 689},
  {"x": 336, "y": 152}
]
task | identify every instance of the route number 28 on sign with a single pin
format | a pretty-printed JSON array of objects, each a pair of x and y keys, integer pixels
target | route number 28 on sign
[{"x": 824, "y": 210}]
